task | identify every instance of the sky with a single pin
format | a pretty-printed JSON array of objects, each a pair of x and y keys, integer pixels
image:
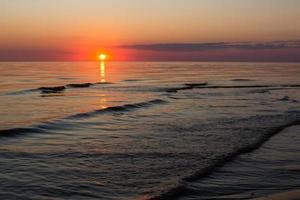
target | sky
[{"x": 150, "y": 30}]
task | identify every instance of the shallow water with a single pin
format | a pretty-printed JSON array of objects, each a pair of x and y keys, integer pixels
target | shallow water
[
  {"x": 271, "y": 169},
  {"x": 133, "y": 130}
]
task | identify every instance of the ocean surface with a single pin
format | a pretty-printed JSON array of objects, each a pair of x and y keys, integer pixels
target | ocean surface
[
  {"x": 135, "y": 131},
  {"x": 272, "y": 169}
]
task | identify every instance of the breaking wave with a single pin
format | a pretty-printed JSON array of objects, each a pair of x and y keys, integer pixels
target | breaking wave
[{"x": 43, "y": 128}]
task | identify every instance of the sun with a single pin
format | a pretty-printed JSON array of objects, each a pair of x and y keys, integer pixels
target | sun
[{"x": 102, "y": 56}]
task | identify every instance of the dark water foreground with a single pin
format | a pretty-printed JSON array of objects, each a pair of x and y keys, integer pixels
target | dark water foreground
[
  {"x": 136, "y": 130},
  {"x": 271, "y": 169}
]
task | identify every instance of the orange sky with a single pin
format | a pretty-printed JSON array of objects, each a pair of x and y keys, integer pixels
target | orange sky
[{"x": 79, "y": 29}]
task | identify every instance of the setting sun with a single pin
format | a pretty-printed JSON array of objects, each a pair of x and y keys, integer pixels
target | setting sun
[{"x": 102, "y": 57}]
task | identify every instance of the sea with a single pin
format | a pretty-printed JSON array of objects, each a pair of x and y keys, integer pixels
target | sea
[{"x": 145, "y": 130}]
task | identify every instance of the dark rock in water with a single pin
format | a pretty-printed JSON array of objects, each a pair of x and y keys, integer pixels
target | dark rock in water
[
  {"x": 79, "y": 85},
  {"x": 52, "y": 89}
]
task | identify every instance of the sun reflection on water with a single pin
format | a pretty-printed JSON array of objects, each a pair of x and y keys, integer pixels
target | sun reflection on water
[
  {"x": 103, "y": 102},
  {"x": 102, "y": 72}
]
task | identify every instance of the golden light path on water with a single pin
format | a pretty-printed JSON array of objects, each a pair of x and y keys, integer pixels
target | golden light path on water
[
  {"x": 103, "y": 100},
  {"x": 102, "y": 72}
]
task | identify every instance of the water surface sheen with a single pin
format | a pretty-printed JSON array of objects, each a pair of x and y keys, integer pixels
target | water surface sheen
[{"x": 133, "y": 130}]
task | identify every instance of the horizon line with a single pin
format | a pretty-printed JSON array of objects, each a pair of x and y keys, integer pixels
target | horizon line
[{"x": 203, "y": 61}]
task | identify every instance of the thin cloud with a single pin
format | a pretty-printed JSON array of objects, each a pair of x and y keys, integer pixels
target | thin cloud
[
  {"x": 23, "y": 54},
  {"x": 189, "y": 47}
]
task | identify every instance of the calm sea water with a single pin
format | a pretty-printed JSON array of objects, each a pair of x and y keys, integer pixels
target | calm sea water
[{"x": 133, "y": 130}]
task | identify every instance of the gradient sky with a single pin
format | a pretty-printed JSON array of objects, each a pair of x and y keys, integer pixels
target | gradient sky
[{"x": 128, "y": 29}]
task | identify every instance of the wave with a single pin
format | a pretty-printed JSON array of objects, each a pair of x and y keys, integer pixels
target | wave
[
  {"x": 43, "y": 128},
  {"x": 287, "y": 99},
  {"x": 55, "y": 89},
  {"x": 79, "y": 85},
  {"x": 19, "y": 131},
  {"x": 58, "y": 89},
  {"x": 189, "y": 86},
  {"x": 253, "y": 86},
  {"x": 186, "y": 86},
  {"x": 242, "y": 80},
  {"x": 133, "y": 80},
  {"x": 124, "y": 108},
  {"x": 180, "y": 189}
]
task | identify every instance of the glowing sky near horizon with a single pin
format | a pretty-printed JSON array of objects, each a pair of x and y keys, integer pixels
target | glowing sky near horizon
[{"x": 80, "y": 29}]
